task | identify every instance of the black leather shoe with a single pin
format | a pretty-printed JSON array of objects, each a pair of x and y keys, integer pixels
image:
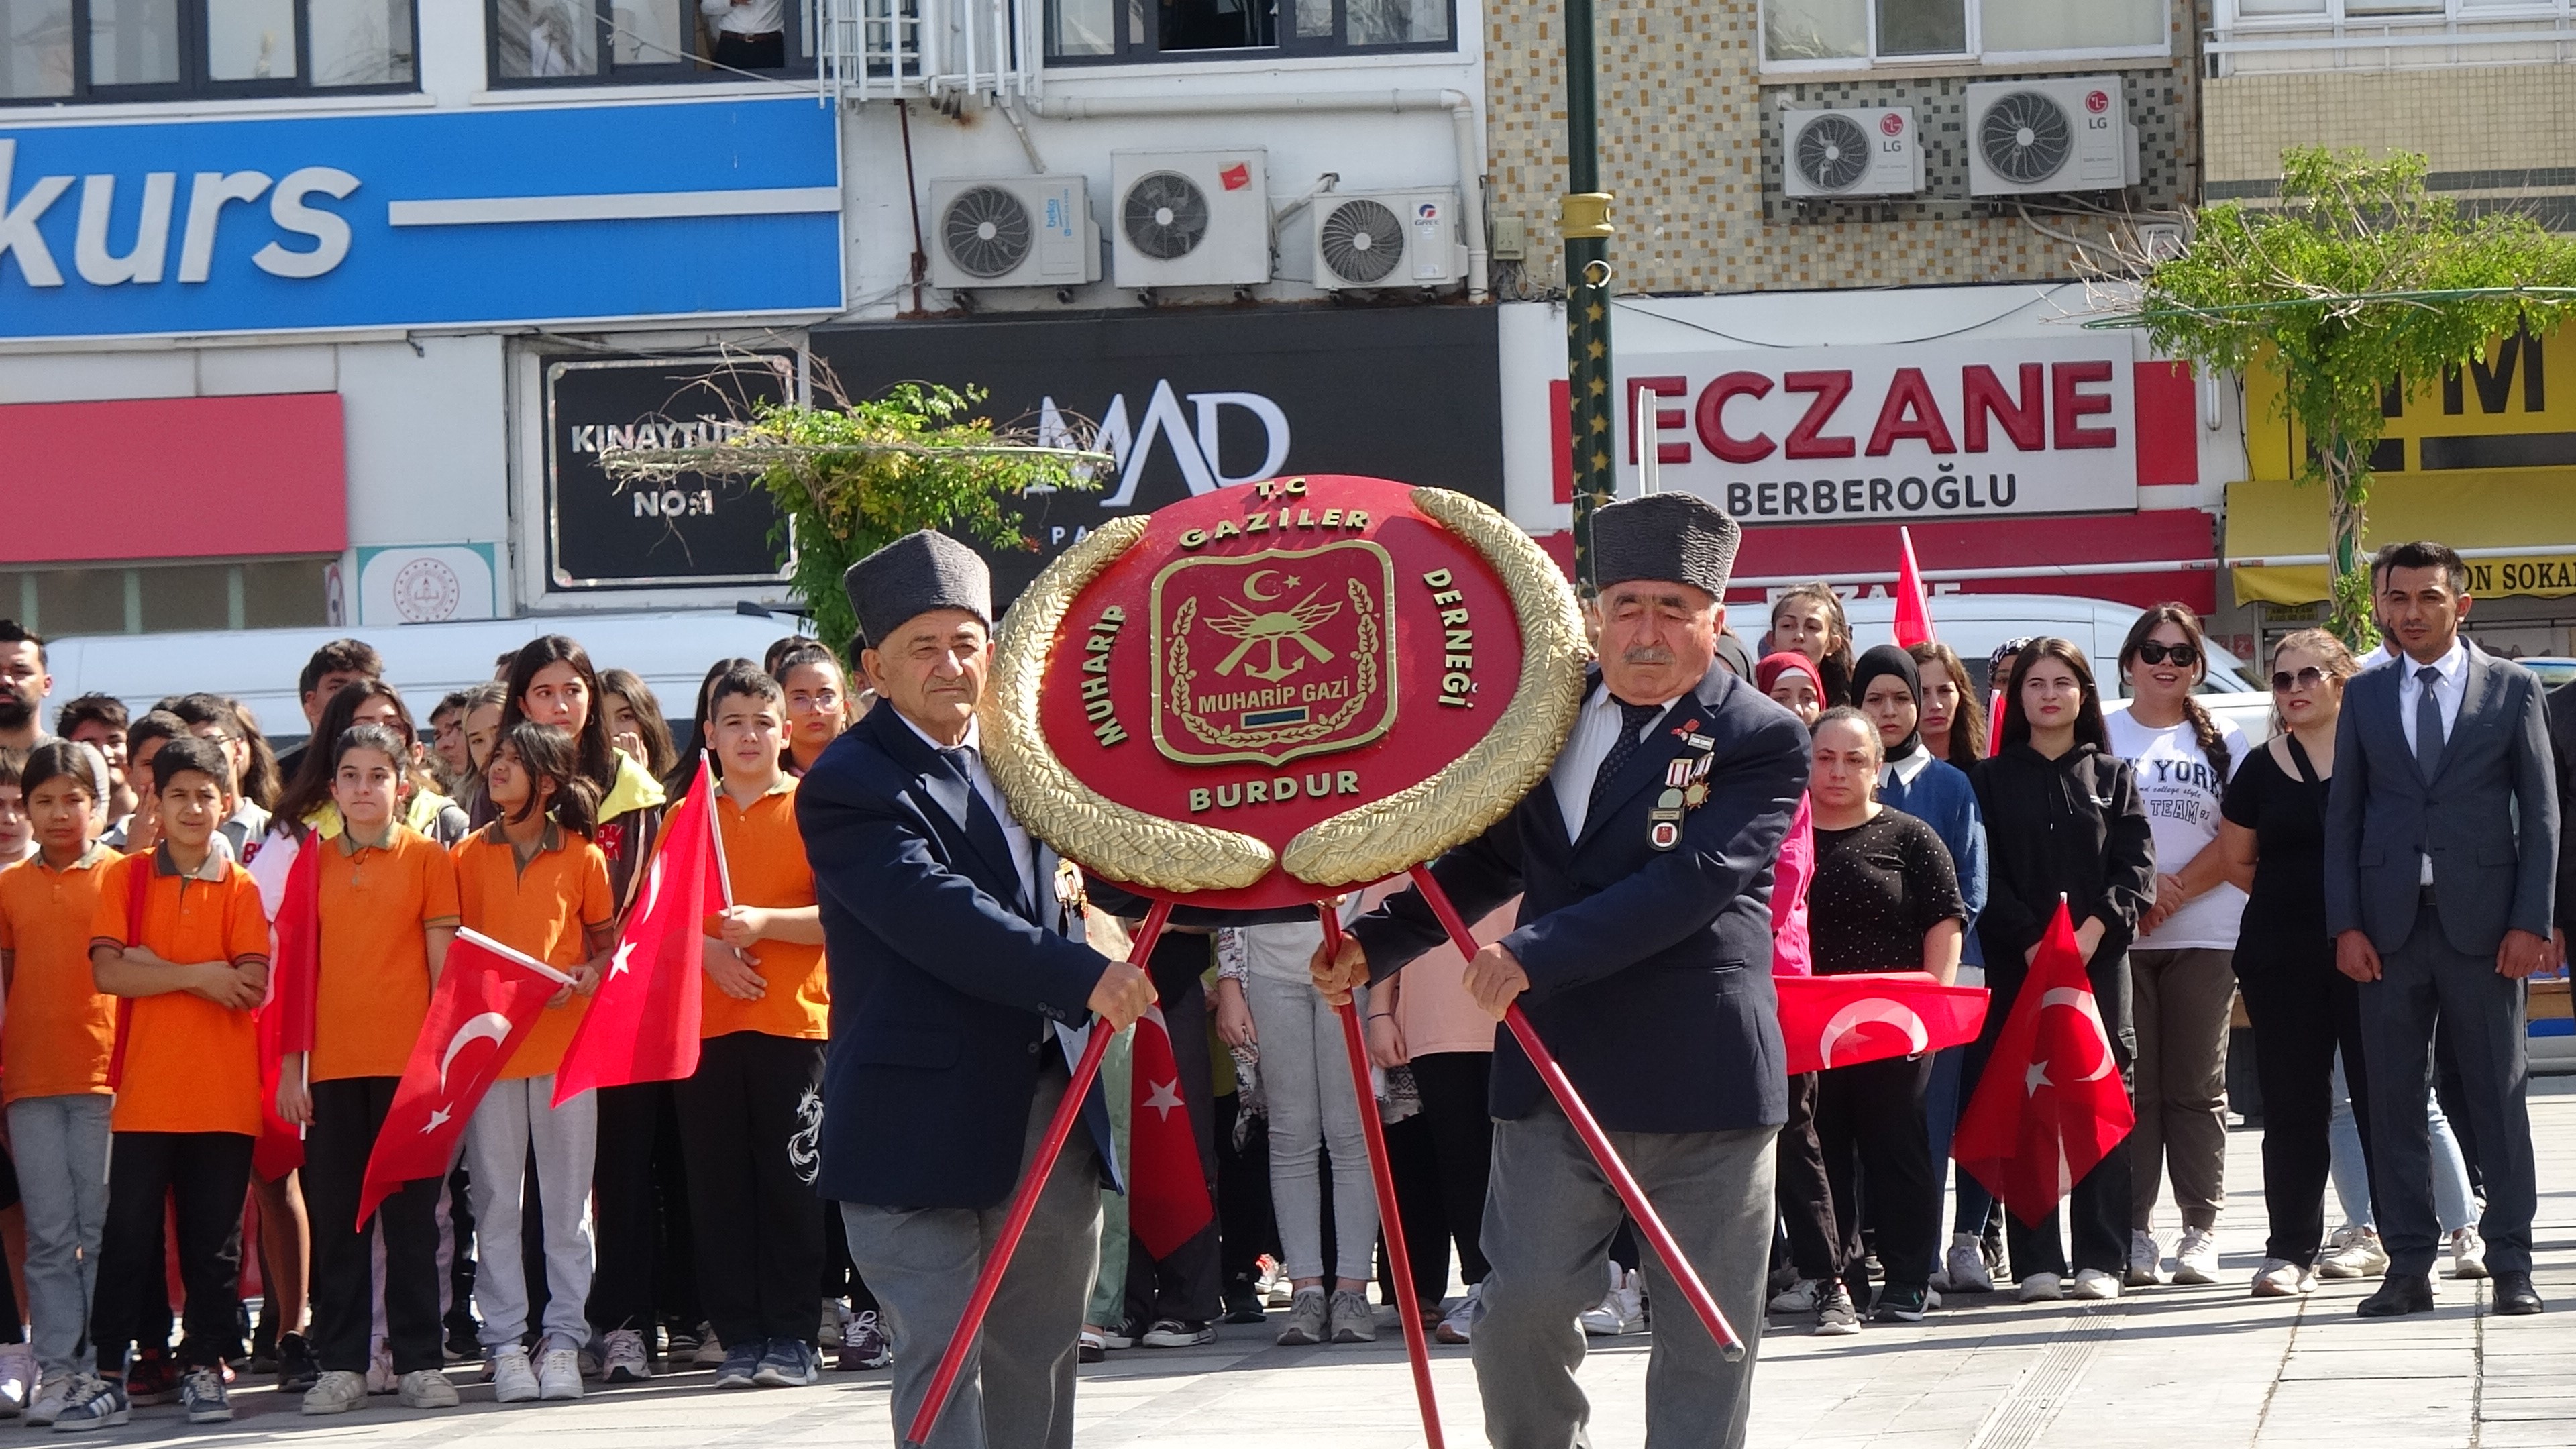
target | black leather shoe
[
  {"x": 2402, "y": 1294},
  {"x": 2515, "y": 1295}
]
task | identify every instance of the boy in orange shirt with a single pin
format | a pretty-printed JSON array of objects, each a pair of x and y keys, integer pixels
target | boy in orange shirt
[
  {"x": 55, "y": 1037},
  {"x": 751, "y": 1118},
  {"x": 387, "y": 908},
  {"x": 180, "y": 932}
]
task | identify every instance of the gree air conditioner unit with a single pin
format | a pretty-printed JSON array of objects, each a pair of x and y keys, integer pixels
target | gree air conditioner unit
[
  {"x": 1388, "y": 239},
  {"x": 2059, "y": 134},
  {"x": 1190, "y": 218},
  {"x": 1870, "y": 151},
  {"x": 1013, "y": 231}
]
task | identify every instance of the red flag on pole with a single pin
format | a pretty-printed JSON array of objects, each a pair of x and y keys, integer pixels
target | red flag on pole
[
  {"x": 286, "y": 1021},
  {"x": 1913, "y": 611},
  {"x": 1835, "y": 1021},
  {"x": 488, "y": 994},
  {"x": 2051, "y": 1104},
  {"x": 1167, "y": 1196},
  {"x": 1995, "y": 718},
  {"x": 642, "y": 1025}
]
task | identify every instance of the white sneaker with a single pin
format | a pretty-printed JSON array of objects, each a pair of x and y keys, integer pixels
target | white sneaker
[
  {"x": 2041, "y": 1288},
  {"x": 559, "y": 1375},
  {"x": 513, "y": 1381},
  {"x": 622, "y": 1358},
  {"x": 1967, "y": 1265},
  {"x": 1798, "y": 1297},
  {"x": 1621, "y": 1311},
  {"x": 381, "y": 1378},
  {"x": 2146, "y": 1259},
  {"x": 2468, "y": 1254},
  {"x": 2096, "y": 1285},
  {"x": 50, "y": 1398},
  {"x": 1457, "y": 1324},
  {"x": 426, "y": 1389},
  {"x": 711, "y": 1352},
  {"x": 336, "y": 1392},
  {"x": 2281, "y": 1278},
  {"x": 2357, "y": 1254},
  {"x": 17, "y": 1378},
  {"x": 2196, "y": 1256}
]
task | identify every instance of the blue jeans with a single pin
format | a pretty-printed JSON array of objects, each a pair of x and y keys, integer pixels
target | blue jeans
[
  {"x": 2451, "y": 1197},
  {"x": 60, "y": 1144}
]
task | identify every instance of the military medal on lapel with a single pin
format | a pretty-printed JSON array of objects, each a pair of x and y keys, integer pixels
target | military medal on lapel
[{"x": 1685, "y": 789}]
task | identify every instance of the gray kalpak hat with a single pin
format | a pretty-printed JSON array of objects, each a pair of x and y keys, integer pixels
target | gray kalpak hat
[
  {"x": 1677, "y": 536},
  {"x": 913, "y": 575}
]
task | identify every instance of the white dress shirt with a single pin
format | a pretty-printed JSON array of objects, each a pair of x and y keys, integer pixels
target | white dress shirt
[
  {"x": 1595, "y": 729},
  {"x": 2448, "y": 690},
  {"x": 758, "y": 17},
  {"x": 1013, "y": 833}
]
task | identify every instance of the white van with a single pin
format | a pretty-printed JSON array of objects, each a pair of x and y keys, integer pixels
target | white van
[{"x": 259, "y": 667}]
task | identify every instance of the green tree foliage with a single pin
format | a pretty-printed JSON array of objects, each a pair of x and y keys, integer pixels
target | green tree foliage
[{"x": 2358, "y": 276}]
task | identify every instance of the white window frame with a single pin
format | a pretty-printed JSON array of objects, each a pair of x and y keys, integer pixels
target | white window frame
[
  {"x": 2339, "y": 13},
  {"x": 1974, "y": 56},
  {"x": 2451, "y": 34}
]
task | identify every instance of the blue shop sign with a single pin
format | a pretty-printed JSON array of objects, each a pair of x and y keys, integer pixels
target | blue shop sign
[{"x": 549, "y": 214}]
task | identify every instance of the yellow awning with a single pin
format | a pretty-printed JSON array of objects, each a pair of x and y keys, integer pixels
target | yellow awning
[{"x": 2515, "y": 527}]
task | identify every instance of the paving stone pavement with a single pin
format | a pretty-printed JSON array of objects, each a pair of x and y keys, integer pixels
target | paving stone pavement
[{"x": 2165, "y": 1368}]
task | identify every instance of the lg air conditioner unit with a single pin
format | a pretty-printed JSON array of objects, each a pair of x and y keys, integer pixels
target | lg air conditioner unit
[
  {"x": 2060, "y": 134},
  {"x": 1190, "y": 218},
  {"x": 1014, "y": 231},
  {"x": 1388, "y": 239},
  {"x": 1868, "y": 151}
]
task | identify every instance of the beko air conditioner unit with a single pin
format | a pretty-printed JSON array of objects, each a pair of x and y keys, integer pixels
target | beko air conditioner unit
[
  {"x": 1190, "y": 218},
  {"x": 1868, "y": 151},
  {"x": 1388, "y": 239},
  {"x": 1014, "y": 231},
  {"x": 2060, "y": 134}
]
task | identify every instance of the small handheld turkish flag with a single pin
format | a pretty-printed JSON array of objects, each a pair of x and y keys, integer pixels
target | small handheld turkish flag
[
  {"x": 642, "y": 1025},
  {"x": 2051, "y": 1104},
  {"x": 286, "y": 1021},
  {"x": 1913, "y": 611},
  {"x": 1167, "y": 1196},
  {"x": 487, "y": 1002},
  {"x": 1867, "y": 1016}
]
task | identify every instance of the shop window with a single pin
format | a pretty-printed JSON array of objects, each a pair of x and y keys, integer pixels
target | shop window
[
  {"x": 169, "y": 598},
  {"x": 641, "y": 42},
  {"x": 1848, "y": 34},
  {"x": 1138, "y": 30},
  {"x": 147, "y": 50}
]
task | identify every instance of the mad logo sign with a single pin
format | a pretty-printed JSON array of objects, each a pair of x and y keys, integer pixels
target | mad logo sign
[{"x": 1267, "y": 693}]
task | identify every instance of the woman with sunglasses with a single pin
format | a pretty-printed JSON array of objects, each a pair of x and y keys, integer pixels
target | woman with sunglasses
[
  {"x": 2272, "y": 843},
  {"x": 2178, "y": 966}
]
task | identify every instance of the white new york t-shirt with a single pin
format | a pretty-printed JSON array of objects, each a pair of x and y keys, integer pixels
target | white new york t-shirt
[{"x": 2181, "y": 787}]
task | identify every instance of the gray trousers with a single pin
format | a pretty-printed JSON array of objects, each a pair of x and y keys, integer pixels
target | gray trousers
[
  {"x": 2179, "y": 1001},
  {"x": 2420, "y": 982},
  {"x": 1549, "y": 1218},
  {"x": 60, "y": 1144},
  {"x": 1016, "y": 1391}
]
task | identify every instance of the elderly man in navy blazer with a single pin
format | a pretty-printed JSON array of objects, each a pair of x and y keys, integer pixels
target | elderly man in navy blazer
[
  {"x": 1643, "y": 957},
  {"x": 953, "y": 965}
]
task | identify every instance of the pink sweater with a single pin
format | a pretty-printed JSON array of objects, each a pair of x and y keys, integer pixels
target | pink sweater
[
  {"x": 1789, "y": 895},
  {"x": 1432, "y": 1006}
]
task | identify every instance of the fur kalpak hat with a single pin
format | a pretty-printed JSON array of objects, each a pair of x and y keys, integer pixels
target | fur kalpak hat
[
  {"x": 913, "y": 575},
  {"x": 1677, "y": 536}
]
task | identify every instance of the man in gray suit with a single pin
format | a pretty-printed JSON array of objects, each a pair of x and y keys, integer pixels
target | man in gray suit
[{"x": 2441, "y": 853}]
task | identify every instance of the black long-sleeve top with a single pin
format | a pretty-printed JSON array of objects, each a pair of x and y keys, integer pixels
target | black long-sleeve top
[{"x": 2073, "y": 826}]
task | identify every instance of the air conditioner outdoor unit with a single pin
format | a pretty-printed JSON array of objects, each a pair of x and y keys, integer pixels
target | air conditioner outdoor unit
[
  {"x": 1014, "y": 231},
  {"x": 1388, "y": 239},
  {"x": 1190, "y": 218},
  {"x": 1869, "y": 151},
  {"x": 2060, "y": 134}
]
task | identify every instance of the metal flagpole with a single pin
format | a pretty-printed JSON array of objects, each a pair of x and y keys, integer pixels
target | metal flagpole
[{"x": 1584, "y": 223}]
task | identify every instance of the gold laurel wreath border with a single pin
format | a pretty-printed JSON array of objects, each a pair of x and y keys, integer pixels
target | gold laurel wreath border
[{"x": 1368, "y": 843}]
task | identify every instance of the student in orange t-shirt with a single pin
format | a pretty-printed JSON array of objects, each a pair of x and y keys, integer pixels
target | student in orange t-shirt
[
  {"x": 187, "y": 1106},
  {"x": 533, "y": 881},
  {"x": 387, "y": 908},
  {"x": 751, "y": 1119},
  {"x": 56, "y": 1037}
]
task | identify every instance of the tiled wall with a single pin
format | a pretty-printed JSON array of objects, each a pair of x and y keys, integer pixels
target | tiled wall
[
  {"x": 1690, "y": 148},
  {"x": 2494, "y": 135}
]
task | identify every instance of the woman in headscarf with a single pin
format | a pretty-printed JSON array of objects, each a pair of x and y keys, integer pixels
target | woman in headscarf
[{"x": 1795, "y": 682}]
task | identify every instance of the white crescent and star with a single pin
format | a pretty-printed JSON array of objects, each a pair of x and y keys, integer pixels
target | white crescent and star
[
  {"x": 617, "y": 964},
  {"x": 1872, "y": 1010},
  {"x": 1252, "y": 586},
  {"x": 1165, "y": 1097},
  {"x": 2083, "y": 1004},
  {"x": 489, "y": 1026}
]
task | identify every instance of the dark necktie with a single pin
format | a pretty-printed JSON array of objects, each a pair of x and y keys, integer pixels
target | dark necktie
[
  {"x": 1632, "y": 718},
  {"x": 983, "y": 826},
  {"x": 2428, "y": 723}
]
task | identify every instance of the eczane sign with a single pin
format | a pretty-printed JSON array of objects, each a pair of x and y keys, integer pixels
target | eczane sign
[{"x": 1934, "y": 430}]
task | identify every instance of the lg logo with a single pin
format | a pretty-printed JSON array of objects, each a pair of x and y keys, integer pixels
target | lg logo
[{"x": 1194, "y": 437}]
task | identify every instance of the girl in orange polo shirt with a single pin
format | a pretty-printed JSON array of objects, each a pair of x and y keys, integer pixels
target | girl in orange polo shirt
[
  {"x": 532, "y": 880},
  {"x": 56, "y": 1036},
  {"x": 751, "y": 1118}
]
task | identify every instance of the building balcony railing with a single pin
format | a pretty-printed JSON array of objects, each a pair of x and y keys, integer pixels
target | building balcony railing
[
  {"x": 2337, "y": 35},
  {"x": 927, "y": 49}
]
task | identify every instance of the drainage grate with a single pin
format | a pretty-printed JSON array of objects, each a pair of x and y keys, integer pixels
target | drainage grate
[{"x": 2048, "y": 1383}]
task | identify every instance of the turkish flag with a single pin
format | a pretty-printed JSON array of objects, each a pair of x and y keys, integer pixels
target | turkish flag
[
  {"x": 1167, "y": 1196},
  {"x": 1866, "y": 1016},
  {"x": 1913, "y": 612},
  {"x": 286, "y": 1021},
  {"x": 642, "y": 1025},
  {"x": 2051, "y": 1104},
  {"x": 487, "y": 1002}
]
